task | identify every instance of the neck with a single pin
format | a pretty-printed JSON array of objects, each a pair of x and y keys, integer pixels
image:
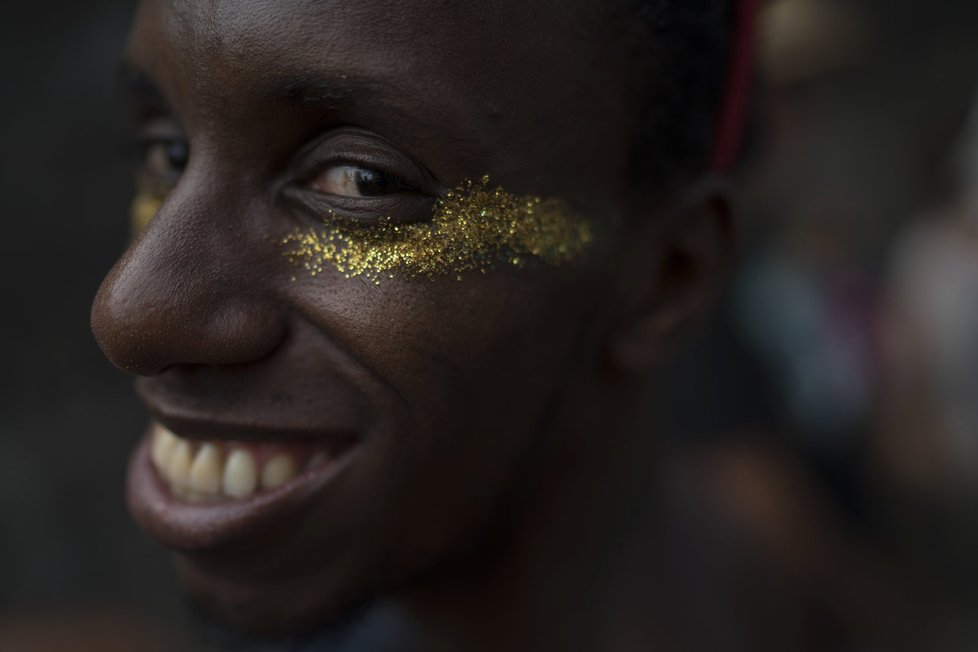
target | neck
[{"x": 547, "y": 577}]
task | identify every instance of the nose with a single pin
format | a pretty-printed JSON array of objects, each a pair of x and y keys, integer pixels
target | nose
[{"x": 186, "y": 292}]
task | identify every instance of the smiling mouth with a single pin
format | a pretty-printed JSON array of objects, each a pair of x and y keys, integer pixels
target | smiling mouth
[
  {"x": 199, "y": 492},
  {"x": 217, "y": 471}
]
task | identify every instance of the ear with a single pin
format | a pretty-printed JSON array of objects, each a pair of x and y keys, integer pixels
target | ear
[{"x": 674, "y": 268}]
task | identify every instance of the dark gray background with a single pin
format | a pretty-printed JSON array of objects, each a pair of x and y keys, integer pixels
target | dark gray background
[{"x": 67, "y": 418}]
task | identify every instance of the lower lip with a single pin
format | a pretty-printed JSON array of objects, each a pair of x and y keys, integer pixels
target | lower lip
[{"x": 205, "y": 526}]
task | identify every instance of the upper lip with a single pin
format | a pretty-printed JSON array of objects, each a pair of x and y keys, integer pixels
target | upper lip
[{"x": 197, "y": 426}]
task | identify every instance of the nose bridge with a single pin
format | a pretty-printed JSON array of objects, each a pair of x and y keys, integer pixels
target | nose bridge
[{"x": 182, "y": 294}]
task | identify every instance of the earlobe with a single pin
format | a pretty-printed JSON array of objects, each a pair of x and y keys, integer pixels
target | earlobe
[{"x": 668, "y": 292}]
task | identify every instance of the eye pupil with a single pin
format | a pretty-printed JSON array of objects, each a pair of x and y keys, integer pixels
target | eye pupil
[{"x": 371, "y": 183}]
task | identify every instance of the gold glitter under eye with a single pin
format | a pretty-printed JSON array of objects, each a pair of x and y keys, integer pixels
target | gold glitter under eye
[
  {"x": 150, "y": 195},
  {"x": 144, "y": 206},
  {"x": 474, "y": 228}
]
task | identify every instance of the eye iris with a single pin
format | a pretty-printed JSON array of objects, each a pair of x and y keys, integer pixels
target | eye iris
[
  {"x": 166, "y": 159},
  {"x": 371, "y": 183},
  {"x": 177, "y": 154},
  {"x": 357, "y": 182}
]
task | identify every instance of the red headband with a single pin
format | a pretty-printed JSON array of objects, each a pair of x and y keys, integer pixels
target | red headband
[{"x": 732, "y": 121}]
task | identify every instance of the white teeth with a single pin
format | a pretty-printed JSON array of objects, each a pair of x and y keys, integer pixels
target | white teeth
[
  {"x": 278, "y": 470},
  {"x": 178, "y": 464},
  {"x": 240, "y": 474},
  {"x": 164, "y": 442},
  {"x": 205, "y": 473}
]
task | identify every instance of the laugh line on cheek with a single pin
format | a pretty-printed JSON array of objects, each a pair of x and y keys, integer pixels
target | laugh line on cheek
[{"x": 474, "y": 228}]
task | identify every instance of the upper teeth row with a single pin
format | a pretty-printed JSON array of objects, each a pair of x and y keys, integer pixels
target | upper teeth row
[{"x": 209, "y": 474}]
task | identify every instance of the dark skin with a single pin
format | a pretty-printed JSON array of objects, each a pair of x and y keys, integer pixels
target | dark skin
[{"x": 502, "y": 431}]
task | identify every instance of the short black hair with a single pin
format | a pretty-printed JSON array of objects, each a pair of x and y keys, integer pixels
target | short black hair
[{"x": 678, "y": 56}]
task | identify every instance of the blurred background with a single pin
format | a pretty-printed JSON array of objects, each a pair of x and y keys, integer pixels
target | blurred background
[{"x": 831, "y": 408}]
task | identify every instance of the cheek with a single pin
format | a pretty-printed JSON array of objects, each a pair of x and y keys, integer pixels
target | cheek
[
  {"x": 459, "y": 379},
  {"x": 477, "y": 365},
  {"x": 493, "y": 343}
]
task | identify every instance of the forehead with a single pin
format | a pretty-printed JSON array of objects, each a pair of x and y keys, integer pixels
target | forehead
[
  {"x": 530, "y": 73},
  {"x": 290, "y": 28}
]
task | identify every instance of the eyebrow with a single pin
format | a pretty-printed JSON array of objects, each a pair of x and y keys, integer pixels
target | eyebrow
[
  {"x": 337, "y": 90},
  {"x": 357, "y": 93},
  {"x": 301, "y": 89},
  {"x": 333, "y": 91},
  {"x": 308, "y": 89}
]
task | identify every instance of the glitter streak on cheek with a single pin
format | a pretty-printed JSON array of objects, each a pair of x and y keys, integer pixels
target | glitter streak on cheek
[{"x": 474, "y": 228}]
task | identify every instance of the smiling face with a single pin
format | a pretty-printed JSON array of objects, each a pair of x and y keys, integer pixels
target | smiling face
[{"x": 362, "y": 424}]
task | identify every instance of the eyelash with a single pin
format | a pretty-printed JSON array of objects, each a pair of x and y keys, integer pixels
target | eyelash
[{"x": 329, "y": 186}]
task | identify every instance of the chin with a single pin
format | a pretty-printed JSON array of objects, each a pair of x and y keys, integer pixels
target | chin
[
  {"x": 272, "y": 607},
  {"x": 286, "y": 556},
  {"x": 217, "y": 633}
]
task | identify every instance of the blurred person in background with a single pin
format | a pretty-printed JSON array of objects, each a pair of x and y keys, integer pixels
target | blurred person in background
[
  {"x": 805, "y": 302},
  {"x": 874, "y": 362},
  {"x": 930, "y": 413},
  {"x": 926, "y": 444}
]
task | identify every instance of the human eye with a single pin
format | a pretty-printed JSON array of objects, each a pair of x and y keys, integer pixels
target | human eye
[
  {"x": 163, "y": 158},
  {"x": 358, "y": 182},
  {"x": 352, "y": 177},
  {"x": 162, "y": 151}
]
